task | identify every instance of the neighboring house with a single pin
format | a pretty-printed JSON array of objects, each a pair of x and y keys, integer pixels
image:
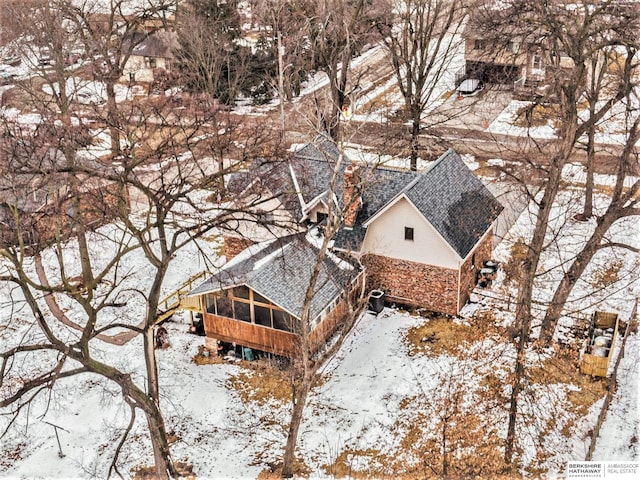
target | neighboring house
[
  {"x": 520, "y": 63},
  {"x": 154, "y": 51},
  {"x": 38, "y": 217},
  {"x": 256, "y": 300}
]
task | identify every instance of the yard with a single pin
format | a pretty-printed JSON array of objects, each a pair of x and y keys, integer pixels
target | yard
[{"x": 396, "y": 386}]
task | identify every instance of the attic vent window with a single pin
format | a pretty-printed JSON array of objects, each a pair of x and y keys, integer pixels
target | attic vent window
[{"x": 408, "y": 233}]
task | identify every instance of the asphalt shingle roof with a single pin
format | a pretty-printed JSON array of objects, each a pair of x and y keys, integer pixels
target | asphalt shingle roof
[
  {"x": 313, "y": 166},
  {"x": 281, "y": 271},
  {"x": 455, "y": 202},
  {"x": 452, "y": 199}
]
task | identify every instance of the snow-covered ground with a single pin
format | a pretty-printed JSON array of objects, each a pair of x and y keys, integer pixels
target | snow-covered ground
[
  {"x": 360, "y": 408},
  {"x": 363, "y": 413},
  {"x": 89, "y": 92}
]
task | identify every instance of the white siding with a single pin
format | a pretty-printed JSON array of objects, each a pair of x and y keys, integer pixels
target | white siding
[
  {"x": 140, "y": 66},
  {"x": 385, "y": 236}
]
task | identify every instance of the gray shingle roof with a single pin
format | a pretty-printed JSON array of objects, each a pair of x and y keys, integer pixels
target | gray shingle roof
[
  {"x": 313, "y": 166},
  {"x": 448, "y": 194},
  {"x": 452, "y": 199},
  {"x": 158, "y": 44},
  {"x": 281, "y": 271}
]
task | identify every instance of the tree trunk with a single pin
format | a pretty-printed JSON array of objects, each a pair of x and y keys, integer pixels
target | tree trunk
[
  {"x": 300, "y": 399},
  {"x": 516, "y": 387},
  {"x": 525, "y": 292},
  {"x": 163, "y": 466},
  {"x": 415, "y": 141},
  {"x": 587, "y": 211},
  {"x": 573, "y": 274},
  {"x": 112, "y": 111},
  {"x": 445, "y": 460},
  {"x": 153, "y": 384}
]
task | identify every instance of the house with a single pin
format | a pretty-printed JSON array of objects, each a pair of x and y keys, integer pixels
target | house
[
  {"x": 422, "y": 238},
  {"x": 256, "y": 300},
  {"x": 288, "y": 195},
  {"x": 520, "y": 62},
  {"x": 154, "y": 51},
  {"x": 36, "y": 210}
]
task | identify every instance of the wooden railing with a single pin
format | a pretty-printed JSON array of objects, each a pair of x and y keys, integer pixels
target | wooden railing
[{"x": 178, "y": 299}]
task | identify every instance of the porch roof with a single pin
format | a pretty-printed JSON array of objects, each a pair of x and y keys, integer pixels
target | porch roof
[{"x": 281, "y": 270}]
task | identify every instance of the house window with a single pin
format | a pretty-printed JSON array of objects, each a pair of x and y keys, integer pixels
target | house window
[
  {"x": 536, "y": 63},
  {"x": 150, "y": 62},
  {"x": 408, "y": 233},
  {"x": 264, "y": 217},
  {"x": 479, "y": 44},
  {"x": 243, "y": 304},
  {"x": 321, "y": 217},
  {"x": 514, "y": 47}
]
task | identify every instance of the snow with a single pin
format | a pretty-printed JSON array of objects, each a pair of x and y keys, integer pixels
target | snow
[
  {"x": 89, "y": 92},
  {"x": 621, "y": 428},
  {"x": 358, "y": 407},
  {"x": 360, "y": 402},
  {"x": 504, "y": 123},
  {"x": 224, "y": 437},
  {"x": 127, "y": 8}
]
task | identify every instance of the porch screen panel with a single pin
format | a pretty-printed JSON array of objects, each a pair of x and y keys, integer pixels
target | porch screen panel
[
  {"x": 281, "y": 321},
  {"x": 211, "y": 303},
  {"x": 260, "y": 299},
  {"x": 241, "y": 291},
  {"x": 262, "y": 315},
  {"x": 242, "y": 311},
  {"x": 224, "y": 307}
]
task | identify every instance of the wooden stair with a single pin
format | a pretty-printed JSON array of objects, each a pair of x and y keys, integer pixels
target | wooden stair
[{"x": 178, "y": 300}]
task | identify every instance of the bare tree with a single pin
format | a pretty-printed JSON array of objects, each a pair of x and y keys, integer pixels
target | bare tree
[
  {"x": 623, "y": 203},
  {"x": 173, "y": 157},
  {"x": 306, "y": 363},
  {"x": 168, "y": 183},
  {"x": 337, "y": 31},
  {"x": 109, "y": 34},
  {"x": 422, "y": 38},
  {"x": 580, "y": 34}
]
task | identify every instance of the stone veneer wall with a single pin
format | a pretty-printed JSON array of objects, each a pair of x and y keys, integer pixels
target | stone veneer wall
[
  {"x": 413, "y": 284},
  {"x": 234, "y": 245},
  {"x": 468, "y": 275}
]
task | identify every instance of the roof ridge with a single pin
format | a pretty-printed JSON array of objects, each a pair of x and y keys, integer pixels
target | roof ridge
[{"x": 419, "y": 176}]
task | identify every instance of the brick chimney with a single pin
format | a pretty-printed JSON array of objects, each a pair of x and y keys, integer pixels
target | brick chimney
[{"x": 351, "y": 195}]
